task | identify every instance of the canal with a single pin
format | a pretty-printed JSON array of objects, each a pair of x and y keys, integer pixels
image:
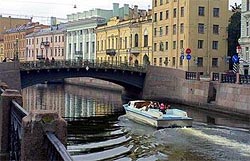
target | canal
[{"x": 99, "y": 130}]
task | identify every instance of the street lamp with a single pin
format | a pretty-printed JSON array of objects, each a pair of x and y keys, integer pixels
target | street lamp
[{"x": 16, "y": 52}]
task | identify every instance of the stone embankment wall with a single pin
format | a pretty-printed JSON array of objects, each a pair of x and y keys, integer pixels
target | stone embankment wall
[
  {"x": 162, "y": 84},
  {"x": 10, "y": 73},
  {"x": 233, "y": 97},
  {"x": 171, "y": 86}
]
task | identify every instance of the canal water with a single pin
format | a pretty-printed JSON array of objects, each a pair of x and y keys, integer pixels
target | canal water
[{"x": 99, "y": 130}]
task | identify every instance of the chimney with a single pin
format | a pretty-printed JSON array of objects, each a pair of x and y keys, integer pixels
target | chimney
[
  {"x": 135, "y": 11},
  {"x": 115, "y": 9}
]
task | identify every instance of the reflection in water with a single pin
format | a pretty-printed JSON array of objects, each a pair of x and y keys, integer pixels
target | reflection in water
[{"x": 98, "y": 130}]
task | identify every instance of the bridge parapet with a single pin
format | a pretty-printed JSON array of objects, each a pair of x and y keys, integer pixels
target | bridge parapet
[{"x": 87, "y": 64}]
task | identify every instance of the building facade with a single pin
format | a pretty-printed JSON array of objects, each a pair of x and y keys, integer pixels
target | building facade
[
  {"x": 46, "y": 43},
  {"x": 126, "y": 41},
  {"x": 81, "y": 36},
  {"x": 200, "y": 26},
  {"x": 244, "y": 40},
  {"x": 15, "y": 41},
  {"x": 1, "y": 50}
]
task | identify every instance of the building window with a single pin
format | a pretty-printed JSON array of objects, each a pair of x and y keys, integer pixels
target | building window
[
  {"x": 182, "y": 11},
  {"x": 155, "y": 17},
  {"x": 166, "y": 61},
  {"x": 69, "y": 48},
  {"x": 87, "y": 47},
  {"x": 155, "y": 3},
  {"x": 166, "y": 45},
  {"x": 167, "y": 14},
  {"x": 161, "y": 31},
  {"x": 201, "y": 28},
  {"x": 216, "y": 12},
  {"x": 161, "y": 46},
  {"x": 155, "y": 61},
  {"x": 201, "y": 11},
  {"x": 145, "y": 40},
  {"x": 173, "y": 61},
  {"x": 161, "y": 2},
  {"x": 174, "y": 44},
  {"x": 155, "y": 31},
  {"x": 215, "y": 45},
  {"x": 161, "y": 16},
  {"x": 216, "y": 29},
  {"x": 160, "y": 61},
  {"x": 166, "y": 32},
  {"x": 248, "y": 3},
  {"x": 199, "y": 62},
  {"x": 200, "y": 44},
  {"x": 136, "y": 40},
  {"x": 126, "y": 42},
  {"x": 155, "y": 46},
  {"x": 174, "y": 29},
  {"x": 181, "y": 44},
  {"x": 93, "y": 47},
  {"x": 174, "y": 12},
  {"x": 247, "y": 27},
  {"x": 214, "y": 62},
  {"x": 182, "y": 28},
  {"x": 247, "y": 53}
]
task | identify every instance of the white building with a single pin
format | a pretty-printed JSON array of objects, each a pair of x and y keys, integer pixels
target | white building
[
  {"x": 81, "y": 36},
  {"x": 245, "y": 38}
]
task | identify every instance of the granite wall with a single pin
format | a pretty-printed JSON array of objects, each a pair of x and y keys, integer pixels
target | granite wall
[{"x": 10, "y": 74}]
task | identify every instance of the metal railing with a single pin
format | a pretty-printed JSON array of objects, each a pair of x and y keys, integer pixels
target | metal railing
[
  {"x": 16, "y": 115},
  {"x": 244, "y": 79},
  {"x": 191, "y": 75},
  {"x": 55, "y": 149},
  {"x": 228, "y": 78},
  {"x": 56, "y": 64}
]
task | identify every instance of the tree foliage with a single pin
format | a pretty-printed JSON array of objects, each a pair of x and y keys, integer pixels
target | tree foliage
[{"x": 234, "y": 30}]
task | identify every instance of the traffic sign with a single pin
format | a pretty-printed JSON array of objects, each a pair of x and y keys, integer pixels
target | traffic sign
[
  {"x": 189, "y": 57},
  {"x": 188, "y": 50},
  {"x": 235, "y": 58},
  {"x": 182, "y": 56}
]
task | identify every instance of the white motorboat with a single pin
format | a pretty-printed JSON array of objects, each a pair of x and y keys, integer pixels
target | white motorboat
[{"x": 144, "y": 112}]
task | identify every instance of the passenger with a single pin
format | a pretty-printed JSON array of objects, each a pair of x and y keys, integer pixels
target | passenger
[
  {"x": 156, "y": 106},
  {"x": 162, "y": 108},
  {"x": 151, "y": 105}
]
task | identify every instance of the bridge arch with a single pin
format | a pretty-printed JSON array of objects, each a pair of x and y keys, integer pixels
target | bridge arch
[{"x": 130, "y": 77}]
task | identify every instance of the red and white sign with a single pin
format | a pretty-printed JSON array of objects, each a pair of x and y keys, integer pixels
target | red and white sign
[
  {"x": 238, "y": 49},
  {"x": 188, "y": 50}
]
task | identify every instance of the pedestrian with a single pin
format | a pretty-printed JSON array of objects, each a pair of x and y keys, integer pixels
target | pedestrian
[
  {"x": 162, "y": 108},
  {"x": 5, "y": 59}
]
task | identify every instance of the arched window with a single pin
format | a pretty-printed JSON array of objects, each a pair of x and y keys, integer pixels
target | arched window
[{"x": 136, "y": 40}]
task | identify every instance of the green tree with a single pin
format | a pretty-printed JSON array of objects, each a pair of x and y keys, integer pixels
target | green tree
[{"x": 234, "y": 30}]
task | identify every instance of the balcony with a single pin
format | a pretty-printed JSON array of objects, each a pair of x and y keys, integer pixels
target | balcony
[
  {"x": 40, "y": 57},
  {"x": 111, "y": 52},
  {"x": 45, "y": 43},
  {"x": 135, "y": 51}
]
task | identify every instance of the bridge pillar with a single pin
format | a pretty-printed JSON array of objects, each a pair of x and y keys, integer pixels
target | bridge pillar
[
  {"x": 35, "y": 125},
  {"x": 6, "y": 97}
]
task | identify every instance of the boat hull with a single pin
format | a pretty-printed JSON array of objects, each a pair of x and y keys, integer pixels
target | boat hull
[{"x": 137, "y": 116}]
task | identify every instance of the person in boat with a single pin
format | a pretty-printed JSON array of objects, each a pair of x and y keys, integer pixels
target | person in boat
[{"x": 162, "y": 108}]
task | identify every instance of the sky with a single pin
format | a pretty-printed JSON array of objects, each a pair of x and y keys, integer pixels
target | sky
[{"x": 43, "y": 9}]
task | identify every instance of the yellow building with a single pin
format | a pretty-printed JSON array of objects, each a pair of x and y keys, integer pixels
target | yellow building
[
  {"x": 200, "y": 25},
  {"x": 1, "y": 50},
  {"x": 125, "y": 41}
]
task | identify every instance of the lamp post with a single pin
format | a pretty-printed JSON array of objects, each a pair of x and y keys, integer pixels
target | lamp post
[{"x": 16, "y": 52}]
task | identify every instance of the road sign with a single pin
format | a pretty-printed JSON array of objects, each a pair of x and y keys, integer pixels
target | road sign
[
  {"x": 182, "y": 56},
  {"x": 235, "y": 58},
  {"x": 189, "y": 57},
  {"x": 188, "y": 50},
  {"x": 238, "y": 49}
]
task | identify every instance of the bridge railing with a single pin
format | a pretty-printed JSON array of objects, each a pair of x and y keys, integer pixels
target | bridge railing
[
  {"x": 82, "y": 64},
  {"x": 56, "y": 150}
]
